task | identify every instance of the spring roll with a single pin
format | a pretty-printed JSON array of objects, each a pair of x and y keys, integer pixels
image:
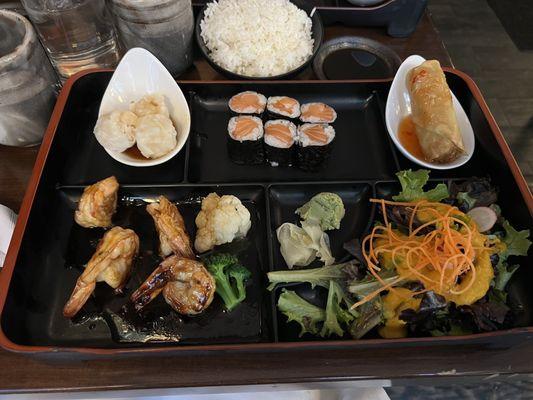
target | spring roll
[{"x": 433, "y": 113}]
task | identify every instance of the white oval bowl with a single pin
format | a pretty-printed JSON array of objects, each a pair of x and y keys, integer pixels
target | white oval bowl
[
  {"x": 140, "y": 73},
  {"x": 399, "y": 106}
]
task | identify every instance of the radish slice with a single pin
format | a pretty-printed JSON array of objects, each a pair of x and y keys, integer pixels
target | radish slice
[{"x": 484, "y": 217}]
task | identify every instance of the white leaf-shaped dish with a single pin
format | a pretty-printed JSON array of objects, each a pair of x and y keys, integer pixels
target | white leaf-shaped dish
[
  {"x": 140, "y": 73},
  {"x": 399, "y": 106}
]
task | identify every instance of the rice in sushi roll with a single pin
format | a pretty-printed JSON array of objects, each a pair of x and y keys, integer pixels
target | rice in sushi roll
[
  {"x": 245, "y": 140},
  {"x": 280, "y": 136},
  {"x": 248, "y": 103},
  {"x": 314, "y": 145},
  {"x": 283, "y": 106},
  {"x": 318, "y": 113}
]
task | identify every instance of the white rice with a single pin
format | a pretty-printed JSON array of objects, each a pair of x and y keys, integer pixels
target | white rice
[{"x": 257, "y": 38}]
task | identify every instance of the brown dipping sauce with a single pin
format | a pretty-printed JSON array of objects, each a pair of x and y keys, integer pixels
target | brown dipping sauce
[
  {"x": 355, "y": 64},
  {"x": 134, "y": 152},
  {"x": 408, "y": 138}
]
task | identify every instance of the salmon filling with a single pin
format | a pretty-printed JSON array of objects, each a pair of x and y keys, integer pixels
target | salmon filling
[
  {"x": 246, "y": 100},
  {"x": 244, "y": 127},
  {"x": 285, "y": 104},
  {"x": 316, "y": 134},
  {"x": 280, "y": 132},
  {"x": 319, "y": 112}
]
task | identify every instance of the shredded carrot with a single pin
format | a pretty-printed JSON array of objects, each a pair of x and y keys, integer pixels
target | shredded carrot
[{"x": 439, "y": 259}]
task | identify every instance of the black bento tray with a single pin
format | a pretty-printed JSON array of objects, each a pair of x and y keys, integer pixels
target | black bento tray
[
  {"x": 400, "y": 17},
  {"x": 48, "y": 248}
]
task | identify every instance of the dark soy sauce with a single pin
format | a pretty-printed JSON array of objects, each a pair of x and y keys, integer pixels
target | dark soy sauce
[
  {"x": 134, "y": 152},
  {"x": 355, "y": 64}
]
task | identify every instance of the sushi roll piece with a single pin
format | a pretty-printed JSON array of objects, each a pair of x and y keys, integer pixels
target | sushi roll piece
[
  {"x": 284, "y": 107},
  {"x": 318, "y": 113},
  {"x": 248, "y": 103},
  {"x": 245, "y": 140},
  {"x": 315, "y": 142},
  {"x": 280, "y": 136}
]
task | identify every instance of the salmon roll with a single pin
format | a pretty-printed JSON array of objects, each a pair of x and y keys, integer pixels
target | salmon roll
[
  {"x": 245, "y": 140},
  {"x": 248, "y": 103},
  {"x": 284, "y": 107},
  {"x": 317, "y": 113},
  {"x": 280, "y": 136},
  {"x": 315, "y": 142}
]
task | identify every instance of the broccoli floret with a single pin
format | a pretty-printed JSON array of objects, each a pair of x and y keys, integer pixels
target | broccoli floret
[
  {"x": 230, "y": 278},
  {"x": 240, "y": 275}
]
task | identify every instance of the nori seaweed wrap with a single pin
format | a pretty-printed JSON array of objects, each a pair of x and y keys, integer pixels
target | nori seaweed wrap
[{"x": 245, "y": 140}]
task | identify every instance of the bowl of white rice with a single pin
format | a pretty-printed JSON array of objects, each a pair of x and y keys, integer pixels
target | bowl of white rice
[{"x": 257, "y": 39}]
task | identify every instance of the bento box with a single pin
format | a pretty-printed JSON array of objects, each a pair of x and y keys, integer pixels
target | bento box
[{"x": 48, "y": 249}]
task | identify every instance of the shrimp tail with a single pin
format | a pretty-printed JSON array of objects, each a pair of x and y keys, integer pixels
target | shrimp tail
[
  {"x": 78, "y": 298},
  {"x": 181, "y": 244},
  {"x": 153, "y": 285}
]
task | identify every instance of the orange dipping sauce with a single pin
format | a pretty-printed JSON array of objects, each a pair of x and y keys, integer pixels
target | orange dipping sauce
[{"x": 408, "y": 138}]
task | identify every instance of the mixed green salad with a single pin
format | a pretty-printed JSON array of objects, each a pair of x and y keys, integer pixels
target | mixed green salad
[{"x": 437, "y": 261}]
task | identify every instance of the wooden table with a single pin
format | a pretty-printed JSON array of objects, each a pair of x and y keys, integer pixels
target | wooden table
[{"x": 477, "y": 361}]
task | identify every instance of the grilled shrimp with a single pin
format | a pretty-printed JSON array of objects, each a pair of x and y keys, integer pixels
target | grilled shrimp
[
  {"x": 111, "y": 263},
  {"x": 173, "y": 237},
  {"x": 186, "y": 284},
  {"x": 98, "y": 204}
]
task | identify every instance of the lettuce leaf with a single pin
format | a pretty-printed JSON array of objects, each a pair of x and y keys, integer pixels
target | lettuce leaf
[
  {"x": 474, "y": 192},
  {"x": 517, "y": 242},
  {"x": 504, "y": 274},
  {"x": 413, "y": 183},
  {"x": 304, "y": 313},
  {"x": 337, "y": 315},
  {"x": 466, "y": 200},
  {"x": 315, "y": 276},
  {"x": 370, "y": 316}
]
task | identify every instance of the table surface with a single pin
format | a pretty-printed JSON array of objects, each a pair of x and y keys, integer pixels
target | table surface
[{"x": 20, "y": 373}]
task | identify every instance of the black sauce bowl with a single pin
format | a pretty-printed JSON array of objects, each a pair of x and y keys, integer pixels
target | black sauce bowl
[{"x": 317, "y": 31}]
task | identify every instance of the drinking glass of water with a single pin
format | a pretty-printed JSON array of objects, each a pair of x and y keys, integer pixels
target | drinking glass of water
[
  {"x": 164, "y": 27},
  {"x": 28, "y": 83},
  {"x": 77, "y": 34}
]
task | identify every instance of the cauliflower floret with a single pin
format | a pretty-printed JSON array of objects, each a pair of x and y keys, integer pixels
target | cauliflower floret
[{"x": 221, "y": 220}]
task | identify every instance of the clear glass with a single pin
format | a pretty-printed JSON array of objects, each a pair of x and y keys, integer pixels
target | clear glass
[
  {"x": 28, "y": 83},
  {"x": 77, "y": 34},
  {"x": 163, "y": 27}
]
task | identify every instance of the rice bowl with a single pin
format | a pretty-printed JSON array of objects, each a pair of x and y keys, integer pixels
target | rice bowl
[{"x": 245, "y": 39}]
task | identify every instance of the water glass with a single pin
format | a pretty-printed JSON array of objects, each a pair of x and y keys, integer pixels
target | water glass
[
  {"x": 28, "y": 83},
  {"x": 77, "y": 34},
  {"x": 163, "y": 27}
]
